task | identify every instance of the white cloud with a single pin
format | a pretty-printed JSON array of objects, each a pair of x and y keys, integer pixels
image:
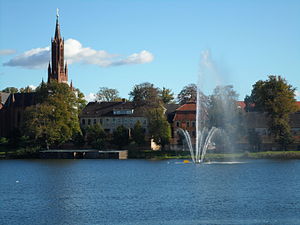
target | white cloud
[
  {"x": 33, "y": 59},
  {"x": 91, "y": 97},
  {"x": 32, "y": 87},
  {"x": 75, "y": 53},
  {"x": 7, "y": 52}
]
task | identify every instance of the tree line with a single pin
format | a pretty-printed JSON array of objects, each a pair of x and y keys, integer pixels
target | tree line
[{"x": 54, "y": 120}]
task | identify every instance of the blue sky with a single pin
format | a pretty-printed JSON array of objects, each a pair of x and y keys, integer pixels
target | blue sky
[{"x": 118, "y": 44}]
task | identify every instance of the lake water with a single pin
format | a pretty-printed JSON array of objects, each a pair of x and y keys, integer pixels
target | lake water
[{"x": 140, "y": 192}]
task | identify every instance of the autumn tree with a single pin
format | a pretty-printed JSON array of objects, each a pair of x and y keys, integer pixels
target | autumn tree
[
  {"x": 276, "y": 98},
  {"x": 26, "y": 89},
  {"x": 107, "y": 95}
]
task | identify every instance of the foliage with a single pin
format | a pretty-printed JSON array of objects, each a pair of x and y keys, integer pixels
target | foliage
[
  {"x": 11, "y": 90},
  {"x": 138, "y": 134},
  {"x": 254, "y": 140},
  {"x": 78, "y": 139},
  {"x": 54, "y": 120},
  {"x": 107, "y": 94},
  {"x": 145, "y": 95},
  {"x": 276, "y": 98},
  {"x": 224, "y": 114},
  {"x": 81, "y": 102},
  {"x": 27, "y": 89},
  {"x": 121, "y": 136},
  {"x": 166, "y": 95},
  {"x": 96, "y": 136},
  {"x": 187, "y": 94},
  {"x": 159, "y": 128}
]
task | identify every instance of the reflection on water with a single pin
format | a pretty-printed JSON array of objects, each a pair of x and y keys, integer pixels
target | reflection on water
[{"x": 149, "y": 192}]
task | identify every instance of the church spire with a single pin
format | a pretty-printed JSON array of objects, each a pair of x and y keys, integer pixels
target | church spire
[
  {"x": 57, "y": 69},
  {"x": 57, "y": 28}
]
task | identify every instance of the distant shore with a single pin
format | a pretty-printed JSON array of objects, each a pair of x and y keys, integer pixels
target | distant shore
[{"x": 28, "y": 153}]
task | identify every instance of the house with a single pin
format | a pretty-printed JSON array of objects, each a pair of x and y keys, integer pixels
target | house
[
  {"x": 111, "y": 115},
  {"x": 184, "y": 118}
]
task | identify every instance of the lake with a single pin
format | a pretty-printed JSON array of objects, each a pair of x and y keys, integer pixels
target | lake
[{"x": 141, "y": 192}]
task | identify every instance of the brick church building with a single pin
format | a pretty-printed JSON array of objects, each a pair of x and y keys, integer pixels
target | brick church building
[{"x": 12, "y": 106}]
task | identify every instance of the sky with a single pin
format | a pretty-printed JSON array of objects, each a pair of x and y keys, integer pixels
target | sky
[{"x": 170, "y": 43}]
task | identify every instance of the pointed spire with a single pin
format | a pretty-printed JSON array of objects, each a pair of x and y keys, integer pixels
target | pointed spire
[
  {"x": 71, "y": 85},
  {"x": 57, "y": 29}
]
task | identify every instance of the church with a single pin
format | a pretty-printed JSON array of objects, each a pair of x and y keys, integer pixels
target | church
[{"x": 12, "y": 106}]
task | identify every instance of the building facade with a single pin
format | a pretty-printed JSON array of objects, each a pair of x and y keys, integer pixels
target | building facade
[{"x": 111, "y": 115}]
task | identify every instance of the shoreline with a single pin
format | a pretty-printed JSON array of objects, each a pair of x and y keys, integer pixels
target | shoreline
[{"x": 163, "y": 155}]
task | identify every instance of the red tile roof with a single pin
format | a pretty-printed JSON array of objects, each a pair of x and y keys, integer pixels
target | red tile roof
[{"x": 190, "y": 106}]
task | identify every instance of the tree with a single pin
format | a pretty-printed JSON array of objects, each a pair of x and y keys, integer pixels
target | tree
[
  {"x": 254, "y": 140},
  {"x": 187, "y": 94},
  {"x": 11, "y": 90},
  {"x": 166, "y": 95},
  {"x": 145, "y": 95},
  {"x": 81, "y": 102},
  {"x": 107, "y": 94},
  {"x": 27, "y": 89},
  {"x": 121, "y": 136},
  {"x": 159, "y": 128},
  {"x": 96, "y": 136},
  {"x": 54, "y": 120},
  {"x": 223, "y": 113},
  {"x": 138, "y": 134},
  {"x": 276, "y": 98}
]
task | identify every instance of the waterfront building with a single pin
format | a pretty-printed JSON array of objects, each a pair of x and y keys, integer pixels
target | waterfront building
[{"x": 111, "y": 115}]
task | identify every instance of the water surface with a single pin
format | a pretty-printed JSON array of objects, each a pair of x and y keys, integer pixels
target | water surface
[{"x": 140, "y": 192}]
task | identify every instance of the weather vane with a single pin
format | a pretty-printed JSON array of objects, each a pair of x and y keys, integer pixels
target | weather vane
[{"x": 57, "y": 15}]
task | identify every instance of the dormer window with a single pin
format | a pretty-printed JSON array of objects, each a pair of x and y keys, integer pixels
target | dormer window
[{"x": 123, "y": 111}]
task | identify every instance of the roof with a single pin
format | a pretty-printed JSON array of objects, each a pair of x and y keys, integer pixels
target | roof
[
  {"x": 3, "y": 97},
  {"x": 21, "y": 99},
  {"x": 190, "y": 106},
  {"x": 100, "y": 109}
]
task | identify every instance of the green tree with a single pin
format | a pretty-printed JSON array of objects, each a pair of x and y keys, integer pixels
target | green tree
[
  {"x": 254, "y": 140},
  {"x": 187, "y": 94},
  {"x": 107, "y": 94},
  {"x": 121, "y": 136},
  {"x": 96, "y": 136},
  {"x": 159, "y": 128},
  {"x": 276, "y": 98},
  {"x": 145, "y": 95},
  {"x": 54, "y": 120},
  {"x": 27, "y": 89},
  {"x": 11, "y": 90},
  {"x": 166, "y": 95},
  {"x": 224, "y": 114},
  {"x": 138, "y": 134},
  {"x": 80, "y": 100}
]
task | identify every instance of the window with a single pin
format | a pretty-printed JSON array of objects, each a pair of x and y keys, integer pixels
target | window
[
  {"x": 177, "y": 124},
  {"x": 101, "y": 121},
  {"x": 89, "y": 122},
  {"x": 193, "y": 124},
  {"x": 83, "y": 121},
  {"x": 95, "y": 121},
  {"x": 187, "y": 123}
]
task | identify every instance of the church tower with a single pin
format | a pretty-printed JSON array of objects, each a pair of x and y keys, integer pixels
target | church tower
[{"x": 59, "y": 70}]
